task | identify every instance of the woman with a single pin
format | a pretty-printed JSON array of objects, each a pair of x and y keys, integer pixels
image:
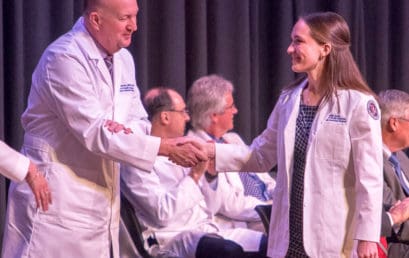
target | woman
[{"x": 324, "y": 135}]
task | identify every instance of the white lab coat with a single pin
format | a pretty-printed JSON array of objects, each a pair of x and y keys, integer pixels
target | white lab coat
[
  {"x": 343, "y": 172},
  {"x": 13, "y": 164},
  {"x": 71, "y": 97},
  {"x": 232, "y": 181},
  {"x": 178, "y": 212}
]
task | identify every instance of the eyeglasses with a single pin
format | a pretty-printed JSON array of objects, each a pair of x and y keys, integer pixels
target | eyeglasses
[
  {"x": 184, "y": 111},
  {"x": 231, "y": 107}
]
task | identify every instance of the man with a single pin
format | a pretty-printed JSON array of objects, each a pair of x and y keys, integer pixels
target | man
[
  {"x": 210, "y": 101},
  {"x": 74, "y": 92},
  {"x": 395, "y": 135},
  {"x": 177, "y": 205},
  {"x": 18, "y": 167}
]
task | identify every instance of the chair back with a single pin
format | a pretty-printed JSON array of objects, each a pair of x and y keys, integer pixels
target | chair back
[
  {"x": 133, "y": 226},
  {"x": 264, "y": 211}
]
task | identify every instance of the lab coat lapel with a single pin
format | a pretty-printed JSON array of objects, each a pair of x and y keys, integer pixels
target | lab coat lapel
[
  {"x": 404, "y": 161},
  {"x": 116, "y": 72},
  {"x": 292, "y": 104},
  {"x": 325, "y": 109},
  {"x": 92, "y": 51},
  {"x": 103, "y": 69}
]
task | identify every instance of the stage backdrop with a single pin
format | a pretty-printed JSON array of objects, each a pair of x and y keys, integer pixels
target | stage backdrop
[{"x": 180, "y": 40}]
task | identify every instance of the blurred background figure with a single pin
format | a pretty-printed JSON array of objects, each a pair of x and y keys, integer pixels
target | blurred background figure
[
  {"x": 394, "y": 105},
  {"x": 211, "y": 105},
  {"x": 176, "y": 204}
]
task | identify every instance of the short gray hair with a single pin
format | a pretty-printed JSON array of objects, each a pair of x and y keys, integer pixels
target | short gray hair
[
  {"x": 393, "y": 103},
  {"x": 205, "y": 97}
]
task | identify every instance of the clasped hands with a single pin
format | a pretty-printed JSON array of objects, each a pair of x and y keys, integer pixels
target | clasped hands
[
  {"x": 185, "y": 151},
  {"x": 400, "y": 211}
]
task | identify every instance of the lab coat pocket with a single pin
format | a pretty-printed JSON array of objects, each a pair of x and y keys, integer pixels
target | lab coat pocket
[{"x": 332, "y": 143}]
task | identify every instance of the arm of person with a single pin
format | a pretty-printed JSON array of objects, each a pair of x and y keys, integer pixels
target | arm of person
[
  {"x": 13, "y": 165},
  {"x": 164, "y": 195},
  {"x": 184, "y": 151},
  {"x": 84, "y": 106},
  {"x": 18, "y": 167},
  {"x": 227, "y": 200},
  {"x": 367, "y": 249},
  {"x": 366, "y": 147},
  {"x": 260, "y": 157},
  {"x": 39, "y": 186},
  {"x": 387, "y": 226},
  {"x": 198, "y": 171},
  {"x": 399, "y": 216}
]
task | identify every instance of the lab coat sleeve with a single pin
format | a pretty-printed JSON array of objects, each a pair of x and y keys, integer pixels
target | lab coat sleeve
[
  {"x": 13, "y": 164},
  {"x": 164, "y": 202},
  {"x": 230, "y": 202},
  {"x": 74, "y": 96},
  {"x": 260, "y": 157},
  {"x": 366, "y": 143},
  {"x": 388, "y": 200}
]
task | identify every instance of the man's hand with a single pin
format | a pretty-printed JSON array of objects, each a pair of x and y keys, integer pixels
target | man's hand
[
  {"x": 400, "y": 211},
  {"x": 367, "y": 249},
  {"x": 184, "y": 151},
  {"x": 115, "y": 127},
  {"x": 39, "y": 186},
  {"x": 197, "y": 171}
]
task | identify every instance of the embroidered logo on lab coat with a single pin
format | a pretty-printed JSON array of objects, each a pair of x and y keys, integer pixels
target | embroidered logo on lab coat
[
  {"x": 126, "y": 88},
  {"x": 372, "y": 109},
  {"x": 336, "y": 118}
]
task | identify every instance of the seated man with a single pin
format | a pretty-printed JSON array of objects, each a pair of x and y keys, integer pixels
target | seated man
[
  {"x": 177, "y": 205},
  {"x": 211, "y": 105},
  {"x": 395, "y": 135}
]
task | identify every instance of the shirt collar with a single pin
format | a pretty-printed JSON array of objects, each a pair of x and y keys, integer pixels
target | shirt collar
[{"x": 386, "y": 152}]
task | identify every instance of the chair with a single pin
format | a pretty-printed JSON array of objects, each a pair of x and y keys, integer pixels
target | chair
[
  {"x": 133, "y": 226},
  {"x": 264, "y": 211}
]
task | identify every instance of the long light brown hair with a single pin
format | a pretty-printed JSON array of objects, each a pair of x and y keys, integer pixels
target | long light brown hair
[{"x": 340, "y": 70}]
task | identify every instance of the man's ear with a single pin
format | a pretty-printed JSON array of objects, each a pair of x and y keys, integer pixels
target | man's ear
[
  {"x": 94, "y": 20},
  {"x": 164, "y": 117},
  {"x": 393, "y": 124},
  {"x": 214, "y": 118}
]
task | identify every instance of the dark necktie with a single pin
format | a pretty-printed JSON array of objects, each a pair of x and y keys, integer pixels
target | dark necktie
[
  {"x": 395, "y": 163},
  {"x": 110, "y": 64}
]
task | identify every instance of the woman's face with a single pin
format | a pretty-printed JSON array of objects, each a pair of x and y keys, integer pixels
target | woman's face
[{"x": 306, "y": 54}]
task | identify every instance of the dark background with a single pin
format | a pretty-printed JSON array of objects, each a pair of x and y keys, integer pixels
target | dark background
[{"x": 180, "y": 40}]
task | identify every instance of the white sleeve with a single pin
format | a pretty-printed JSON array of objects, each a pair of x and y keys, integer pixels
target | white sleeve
[{"x": 13, "y": 164}]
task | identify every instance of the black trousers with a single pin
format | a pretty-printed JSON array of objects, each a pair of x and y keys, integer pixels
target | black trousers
[{"x": 222, "y": 248}]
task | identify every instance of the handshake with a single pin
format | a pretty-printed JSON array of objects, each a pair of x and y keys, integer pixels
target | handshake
[{"x": 185, "y": 151}]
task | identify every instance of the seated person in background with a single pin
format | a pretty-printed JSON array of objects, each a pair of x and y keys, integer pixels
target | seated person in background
[
  {"x": 177, "y": 204},
  {"x": 394, "y": 105},
  {"x": 211, "y": 105}
]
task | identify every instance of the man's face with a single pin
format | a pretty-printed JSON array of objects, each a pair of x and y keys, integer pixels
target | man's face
[
  {"x": 178, "y": 115},
  {"x": 117, "y": 23},
  {"x": 224, "y": 121},
  {"x": 402, "y": 132}
]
